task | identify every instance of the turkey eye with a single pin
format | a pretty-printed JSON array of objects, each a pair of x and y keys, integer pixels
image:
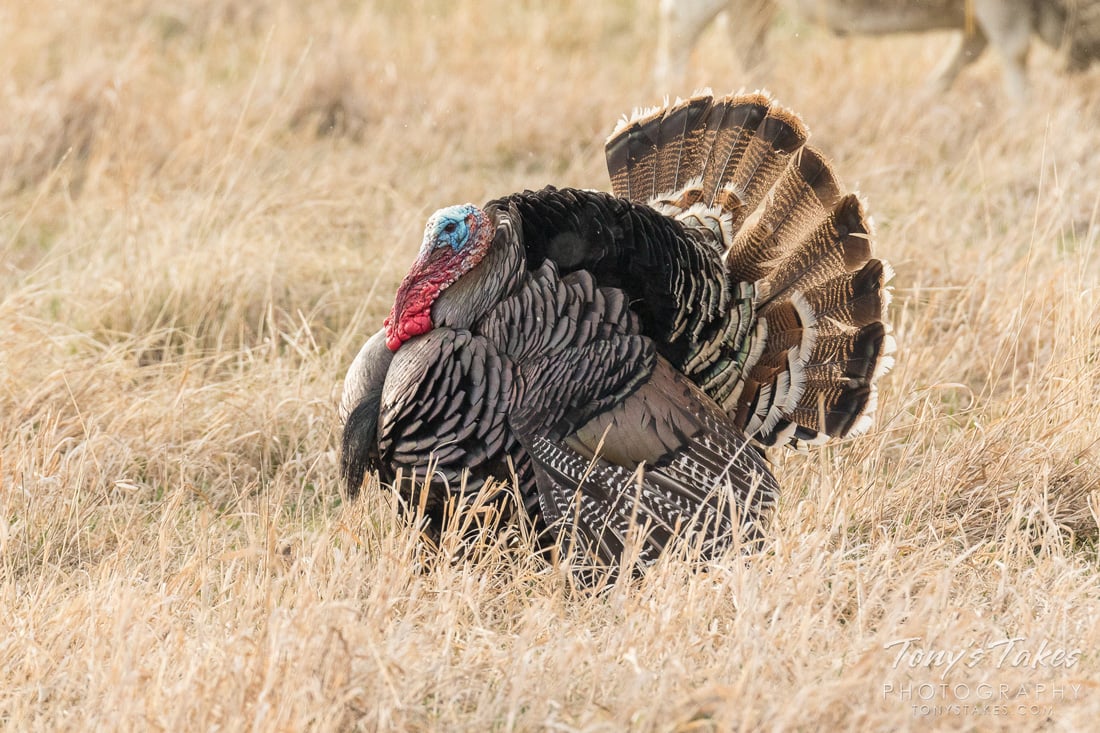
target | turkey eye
[{"x": 450, "y": 228}]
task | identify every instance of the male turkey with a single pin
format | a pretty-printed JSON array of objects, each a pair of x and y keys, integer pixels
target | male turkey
[{"x": 622, "y": 356}]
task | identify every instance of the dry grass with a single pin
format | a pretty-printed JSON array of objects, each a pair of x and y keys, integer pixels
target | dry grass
[{"x": 205, "y": 207}]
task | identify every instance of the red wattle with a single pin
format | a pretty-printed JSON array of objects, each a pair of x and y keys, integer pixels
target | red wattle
[
  {"x": 400, "y": 327},
  {"x": 433, "y": 271}
]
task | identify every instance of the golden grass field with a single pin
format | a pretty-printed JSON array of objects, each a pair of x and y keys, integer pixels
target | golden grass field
[{"x": 205, "y": 208}]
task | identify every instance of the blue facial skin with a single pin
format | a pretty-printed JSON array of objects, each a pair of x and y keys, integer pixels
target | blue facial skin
[{"x": 448, "y": 228}]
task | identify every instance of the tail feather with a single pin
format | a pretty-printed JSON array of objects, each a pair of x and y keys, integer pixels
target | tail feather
[
  {"x": 838, "y": 412},
  {"x": 678, "y": 144},
  {"x": 788, "y": 326},
  {"x": 731, "y": 127},
  {"x": 852, "y": 359},
  {"x": 804, "y": 195},
  {"x": 779, "y": 136},
  {"x": 796, "y": 356},
  {"x": 648, "y": 153},
  {"x": 839, "y": 244},
  {"x": 852, "y": 299},
  {"x": 839, "y": 380}
]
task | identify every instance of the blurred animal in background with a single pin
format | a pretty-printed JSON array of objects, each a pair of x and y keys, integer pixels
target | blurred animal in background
[
  {"x": 681, "y": 23},
  {"x": 624, "y": 357},
  {"x": 1072, "y": 26}
]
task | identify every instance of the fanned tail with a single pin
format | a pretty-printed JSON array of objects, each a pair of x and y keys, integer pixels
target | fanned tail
[
  {"x": 797, "y": 356},
  {"x": 821, "y": 306}
]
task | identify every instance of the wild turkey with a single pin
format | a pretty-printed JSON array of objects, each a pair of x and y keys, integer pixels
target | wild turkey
[{"x": 622, "y": 356}]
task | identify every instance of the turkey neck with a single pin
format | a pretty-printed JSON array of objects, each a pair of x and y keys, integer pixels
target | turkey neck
[{"x": 474, "y": 294}]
